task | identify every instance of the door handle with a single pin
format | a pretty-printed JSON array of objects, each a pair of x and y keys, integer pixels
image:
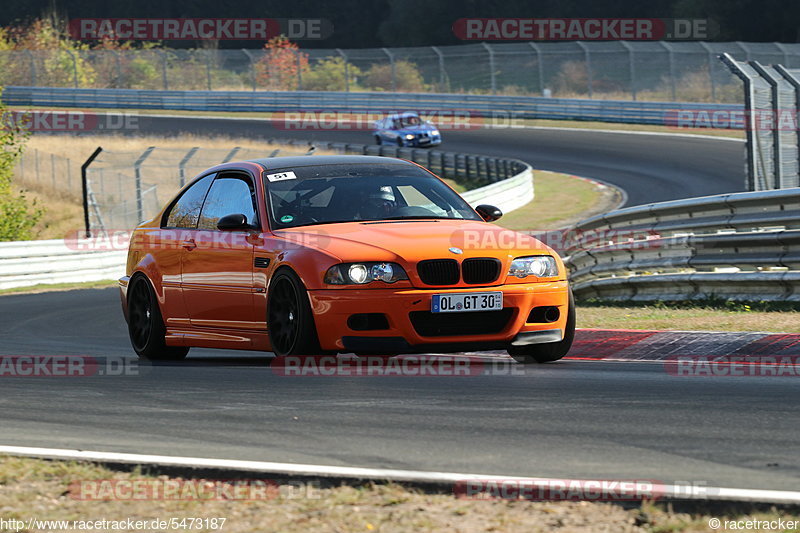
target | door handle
[{"x": 189, "y": 244}]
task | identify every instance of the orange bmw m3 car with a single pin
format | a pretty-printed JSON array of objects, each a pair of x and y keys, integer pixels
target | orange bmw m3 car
[{"x": 324, "y": 254}]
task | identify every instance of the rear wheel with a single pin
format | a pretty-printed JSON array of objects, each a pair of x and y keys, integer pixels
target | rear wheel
[
  {"x": 551, "y": 351},
  {"x": 290, "y": 322},
  {"x": 146, "y": 326}
]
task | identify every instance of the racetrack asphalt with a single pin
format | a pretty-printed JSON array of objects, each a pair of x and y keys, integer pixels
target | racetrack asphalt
[{"x": 571, "y": 419}]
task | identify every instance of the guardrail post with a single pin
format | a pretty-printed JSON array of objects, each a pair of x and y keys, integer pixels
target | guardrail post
[
  {"x": 182, "y": 164},
  {"x": 346, "y": 71},
  {"x": 85, "y": 190},
  {"x": 491, "y": 67},
  {"x": 137, "y": 169},
  {"x": 118, "y": 62},
  {"x": 394, "y": 72},
  {"x": 441, "y": 67},
  {"x": 539, "y": 65},
  {"x": 588, "y": 59}
]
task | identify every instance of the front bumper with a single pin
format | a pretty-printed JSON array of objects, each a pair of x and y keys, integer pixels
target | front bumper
[{"x": 333, "y": 308}]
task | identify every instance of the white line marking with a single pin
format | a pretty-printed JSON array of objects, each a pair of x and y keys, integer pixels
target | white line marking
[{"x": 669, "y": 491}]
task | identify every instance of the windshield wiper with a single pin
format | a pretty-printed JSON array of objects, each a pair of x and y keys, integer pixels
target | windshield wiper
[{"x": 418, "y": 217}]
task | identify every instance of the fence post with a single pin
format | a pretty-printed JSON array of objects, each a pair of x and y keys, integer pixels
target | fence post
[
  {"x": 540, "y": 66},
  {"x": 184, "y": 161},
  {"x": 346, "y": 71},
  {"x": 33, "y": 67},
  {"x": 588, "y": 59},
  {"x": 252, "y": 66},
  {"x": 394, "y": 72},
  {"x": 74, "y": 67},
  {"x": 441, "y": 67},
  {"x": 785, "y": 52},
  {"x": 36, "y": 162},
  {"x": 232, "y": 154},
  {"x": 85, "y": 190},
  {"x": 164, "y": 68},
  {"x": 711, "y": 69},
  {"x": 208, "y": 69},
  {"x": 491, "y": 67},
  {"x": 671, "y": 53},
  {"x": 137, "y": 168},
  {"x": 631, "y": 67},
  {"x": 53, "y": 169},
  {"x": 299, "y": 69}
]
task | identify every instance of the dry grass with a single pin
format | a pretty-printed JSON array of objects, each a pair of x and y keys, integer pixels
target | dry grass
[
  {"x": 63, "y": 204},
  {"x": 561, "y": 200},
  {"x": 695, "y": 319},
  {"x": 37, "y": 488}
]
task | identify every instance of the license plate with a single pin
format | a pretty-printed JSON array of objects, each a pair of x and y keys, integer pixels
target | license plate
[{"x": 466, "y": 301}]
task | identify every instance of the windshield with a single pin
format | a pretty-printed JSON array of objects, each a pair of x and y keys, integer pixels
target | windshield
[{"x": 359, "y": 192}]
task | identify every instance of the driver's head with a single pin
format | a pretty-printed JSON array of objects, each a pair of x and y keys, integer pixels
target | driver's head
[{"x": 378, "y": 203}]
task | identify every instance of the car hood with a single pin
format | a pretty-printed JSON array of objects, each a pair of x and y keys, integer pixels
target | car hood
[{"x": 410, "y": 241}]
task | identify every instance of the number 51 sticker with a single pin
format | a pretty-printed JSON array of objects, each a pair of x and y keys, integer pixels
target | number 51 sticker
[{"x": 281, "y": 176}]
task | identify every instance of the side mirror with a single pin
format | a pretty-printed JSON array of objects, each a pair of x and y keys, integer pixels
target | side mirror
[
  {"x": 489, "y": 213},
  {"x": 236, "y": 221}
]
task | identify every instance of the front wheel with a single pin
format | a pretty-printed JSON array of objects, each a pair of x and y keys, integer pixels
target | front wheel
[
  {"x": 290, "y": 322},
  {"x": 146, "y": 325},
  {"x": 378, "y": 140},
  {"x": 399, "y": 141},
  {"x": 551, "y": 351}
]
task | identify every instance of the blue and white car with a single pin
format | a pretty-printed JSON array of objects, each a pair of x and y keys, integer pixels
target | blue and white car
[{"x": 406, "y": 129}]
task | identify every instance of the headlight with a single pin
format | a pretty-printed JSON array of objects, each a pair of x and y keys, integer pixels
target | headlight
[
  {"x": 409, "y": 136},
  {"x": 362, "y": 273},
  {"x": 541, "y": 266},
  {"x": 435, "y": 132}
]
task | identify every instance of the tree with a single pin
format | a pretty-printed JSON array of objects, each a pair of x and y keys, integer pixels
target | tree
[
  {"x": 17, "y": 215},
  {"x": 278, "y": 69}
]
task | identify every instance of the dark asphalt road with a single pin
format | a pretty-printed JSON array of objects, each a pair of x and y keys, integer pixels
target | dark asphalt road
[
  {"x": 576, "y": 419},
  {"x": 650, "y": 168}
]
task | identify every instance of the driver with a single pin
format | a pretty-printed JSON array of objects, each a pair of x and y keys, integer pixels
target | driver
[{"x": 377, "y": 204}]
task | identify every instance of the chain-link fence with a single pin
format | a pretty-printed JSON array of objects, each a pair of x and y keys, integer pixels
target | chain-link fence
[{"x": 654, "y": 70}]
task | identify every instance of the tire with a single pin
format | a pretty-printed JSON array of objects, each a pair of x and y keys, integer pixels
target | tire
[
  {"x": 146, "y": 325},
  {"x": 551, "y": 351},
  {"x": 290, "y": 322},
  {"x": 378, "y": 140}
]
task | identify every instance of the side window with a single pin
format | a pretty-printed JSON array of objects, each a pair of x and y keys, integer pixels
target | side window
[
  {"x": 186, "y": 211},
  {"x": 229, "y": 194}
]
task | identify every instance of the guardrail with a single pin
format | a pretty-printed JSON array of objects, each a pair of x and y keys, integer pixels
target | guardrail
[
  {"x": 741, "y": 246},
  {"x": 23, "y": 264},
  {"x": 457, "y": 106}
]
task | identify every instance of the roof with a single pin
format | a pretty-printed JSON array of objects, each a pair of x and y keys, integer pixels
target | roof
[{"x": 316, "y": 160}]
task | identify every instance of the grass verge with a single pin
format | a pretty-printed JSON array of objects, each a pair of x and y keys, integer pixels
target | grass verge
[
  {"x": 35, "y": 289},
  {"x": 691, "y": 316},
  {"x": 53, "y": 490},
  {"x": 499, "y": 123},
  {"x": 560, "y": 200}
]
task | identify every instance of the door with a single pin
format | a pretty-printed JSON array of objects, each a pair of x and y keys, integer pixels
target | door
[{"x": 217, "y": 266}]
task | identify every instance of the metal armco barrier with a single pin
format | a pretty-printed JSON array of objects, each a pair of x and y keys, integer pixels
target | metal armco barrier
[
  {"x": 742, "y": 246},
  {"x": 497, "y": 109}
]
